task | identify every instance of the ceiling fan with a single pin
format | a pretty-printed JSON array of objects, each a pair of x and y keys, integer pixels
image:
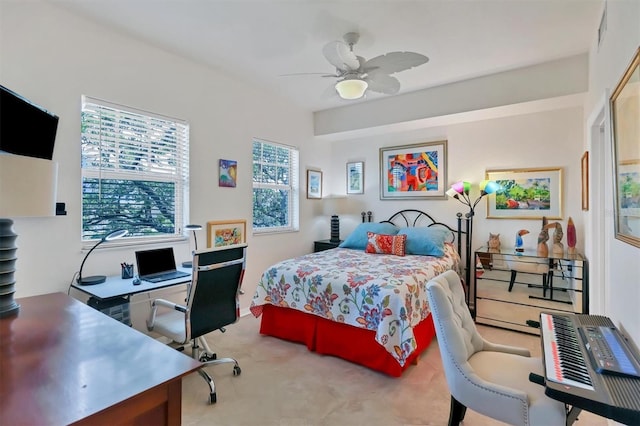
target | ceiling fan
[{"x": 356, "y": 75}]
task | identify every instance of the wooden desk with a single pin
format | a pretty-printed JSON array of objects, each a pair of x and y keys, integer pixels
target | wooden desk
[{"x": 62, "y": 362}]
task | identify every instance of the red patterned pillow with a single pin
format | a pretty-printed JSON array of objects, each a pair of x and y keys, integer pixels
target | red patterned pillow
[{"x": 385, "y": 244}]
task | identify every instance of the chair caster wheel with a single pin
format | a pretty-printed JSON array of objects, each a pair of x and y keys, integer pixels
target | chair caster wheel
[
  {"x": 236, "y": 370},
  {"x": 213, "y": 398},
  {"x": 206, "y": 357}
]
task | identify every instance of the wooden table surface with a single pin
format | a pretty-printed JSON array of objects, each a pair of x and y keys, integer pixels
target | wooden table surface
[{"x": 62, "y": 361}]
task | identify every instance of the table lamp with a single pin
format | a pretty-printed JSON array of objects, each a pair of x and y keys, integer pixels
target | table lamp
[
  {"x": 334, "y": 205},
  {"x": 194, "y": 228},
  {"x": 27, "y": 189},
  {"x": 98, "y": 279}
]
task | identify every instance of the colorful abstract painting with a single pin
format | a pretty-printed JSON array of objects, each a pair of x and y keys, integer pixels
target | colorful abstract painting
[
  {"x": 413, "y": 171},
  {"x": 228, "y": 173}
]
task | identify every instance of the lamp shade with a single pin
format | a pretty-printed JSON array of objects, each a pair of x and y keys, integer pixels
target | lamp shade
[
  {"x": 462, "y": 187},
  {"x": 27, "y": 189},
  {"x": 27, "y": 186},
  {"x": 351, "y": 88},
  {"x": 489, "y": 186},
  {"x": 451, "y": 192}
]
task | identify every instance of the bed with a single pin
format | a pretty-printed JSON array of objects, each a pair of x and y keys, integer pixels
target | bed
[{"x": 367, "y": 308}]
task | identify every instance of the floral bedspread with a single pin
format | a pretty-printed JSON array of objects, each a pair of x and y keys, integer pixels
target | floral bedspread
[{"x": 378, "y": 292}]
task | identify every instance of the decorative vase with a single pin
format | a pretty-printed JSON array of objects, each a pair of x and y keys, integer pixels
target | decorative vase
[{"x": 571, "y": 237}]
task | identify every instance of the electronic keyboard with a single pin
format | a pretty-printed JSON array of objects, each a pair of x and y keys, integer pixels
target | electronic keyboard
[{"x": 589, "y": 365}]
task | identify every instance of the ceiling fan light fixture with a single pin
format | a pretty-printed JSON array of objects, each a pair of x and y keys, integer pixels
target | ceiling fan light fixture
[{"x": 352, "y": 88}]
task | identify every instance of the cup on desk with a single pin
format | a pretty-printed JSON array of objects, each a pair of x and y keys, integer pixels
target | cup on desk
[{"x": 127, "y": 270}]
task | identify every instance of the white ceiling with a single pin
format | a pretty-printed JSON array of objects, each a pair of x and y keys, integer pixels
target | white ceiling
[{"x": 259, "y": 40}]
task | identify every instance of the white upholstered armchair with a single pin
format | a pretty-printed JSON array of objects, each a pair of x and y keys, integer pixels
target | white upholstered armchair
[{"x": 488, "y": 378}]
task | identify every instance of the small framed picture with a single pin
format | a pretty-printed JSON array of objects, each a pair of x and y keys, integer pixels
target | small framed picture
[
  {"x": 228, "y": 173},
  {"x": 314, "y": 184},
  {"x": 226, "y": 233},
  {"x": 355, "y": 177},
  {"x": 584, "y": 167}
]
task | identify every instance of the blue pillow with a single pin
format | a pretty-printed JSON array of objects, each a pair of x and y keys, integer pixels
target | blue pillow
[
  {"x": 426, "y": 241},
  {"x": 358, "y": 238}
]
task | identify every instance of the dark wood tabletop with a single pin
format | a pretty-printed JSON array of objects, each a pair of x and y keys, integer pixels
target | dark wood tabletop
[{"x": 62, "y": 362}]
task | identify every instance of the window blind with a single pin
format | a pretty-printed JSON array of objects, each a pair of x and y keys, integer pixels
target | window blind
[
  {"x": 275, "y": 187},
  {"x": 135, "y": 171}
]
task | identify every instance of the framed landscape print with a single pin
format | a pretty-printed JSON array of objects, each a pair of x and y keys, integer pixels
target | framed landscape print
[
  {"x": 526, "y": 194},
  {"x": 416, "y": 171},
  {"x": 625, "y": 126},
  {"x": 355, "y": 177},
  {"x": 226, "y": 233},
  {"x": 314, "y": 184}
]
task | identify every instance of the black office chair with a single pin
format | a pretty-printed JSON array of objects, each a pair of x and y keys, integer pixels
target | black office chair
[{"x": 212, "y": 304}]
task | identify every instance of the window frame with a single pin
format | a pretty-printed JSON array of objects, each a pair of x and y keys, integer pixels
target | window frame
[
  {"x": 177, "y": 173},
  {"x": 293, "y": 188}
]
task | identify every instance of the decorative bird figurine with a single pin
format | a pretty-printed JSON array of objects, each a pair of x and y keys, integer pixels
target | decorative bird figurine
[
  {"x": 519, "y": 243},
  {"x": 557, "y": 248},
  {"x": 543, "y": 237},
  {"x": 571, "y": 237}
]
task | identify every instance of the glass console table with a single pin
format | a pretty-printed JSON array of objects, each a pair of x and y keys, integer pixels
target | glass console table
[{"x": 512, "y": 288}]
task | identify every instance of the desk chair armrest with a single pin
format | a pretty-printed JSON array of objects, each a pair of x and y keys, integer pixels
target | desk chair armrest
[
  {"x": 494, "y": 347},
  {"x": 154, "y": 308}
]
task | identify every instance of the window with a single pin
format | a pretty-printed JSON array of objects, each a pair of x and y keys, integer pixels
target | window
[
  {"x": 135, "y": 171},
  {"x": 275, "y": 187}
]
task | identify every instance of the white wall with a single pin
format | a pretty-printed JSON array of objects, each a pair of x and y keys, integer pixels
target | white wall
[
  {"x": 544, "y": 139},
  {"x": 52, "y": 58},
  {"x": 620, "y": 261}
]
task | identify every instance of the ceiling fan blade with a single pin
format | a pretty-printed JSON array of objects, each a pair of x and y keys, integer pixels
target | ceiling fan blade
[
  {"x": 393, "y": 62},
  {"x": 321, "y": 74},
  {"x": 382, "y": 83},
  {"x": 340, "y": 56}
]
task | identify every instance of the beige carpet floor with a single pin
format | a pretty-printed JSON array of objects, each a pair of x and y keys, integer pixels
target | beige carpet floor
[{"x": 283, "y": 384}]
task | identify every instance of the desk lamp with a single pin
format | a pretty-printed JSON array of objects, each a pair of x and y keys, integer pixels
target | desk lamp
[
  {"x": 98, "y": 279},
  {"x": 194, "y": 228},
  {"x": 460, "y": 191}
]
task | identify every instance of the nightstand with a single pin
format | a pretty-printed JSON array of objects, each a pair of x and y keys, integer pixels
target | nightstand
[{"x": 322, "y": 245}]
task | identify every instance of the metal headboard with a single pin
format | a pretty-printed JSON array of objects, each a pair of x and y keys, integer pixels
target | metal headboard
[{"x": 416, "y": 218}]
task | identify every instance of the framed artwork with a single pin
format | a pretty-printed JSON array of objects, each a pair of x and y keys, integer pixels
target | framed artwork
[
  {"x": 416, "y": 171},
  {"x": 584, "y": 167},
  {"x": 228, "y": 173},
  {"x": 526, "y": 194},
  {"x": 355, "y": 177},
  {"x": 314, "y": 184},
  {"x": 625, "y": 110},
  {"x": 226, "y": 233}
]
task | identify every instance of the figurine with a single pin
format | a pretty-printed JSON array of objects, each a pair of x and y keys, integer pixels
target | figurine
[
  {"x": 571, "y": 237},
  {"x": 494, "y": 242},
  {"x": 543, "y": 237},
  {"x": 557, "y": 248},
  {"x": 519, "y": 242}
]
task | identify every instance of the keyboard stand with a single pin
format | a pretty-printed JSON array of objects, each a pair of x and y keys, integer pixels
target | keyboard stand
[{"x": 572, "y": 415}]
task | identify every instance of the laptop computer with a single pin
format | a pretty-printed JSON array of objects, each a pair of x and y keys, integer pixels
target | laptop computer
[{"x": 158, "y": 265}]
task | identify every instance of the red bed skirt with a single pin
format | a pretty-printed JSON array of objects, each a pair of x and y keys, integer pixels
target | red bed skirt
[{"x": 341, "y": 340}]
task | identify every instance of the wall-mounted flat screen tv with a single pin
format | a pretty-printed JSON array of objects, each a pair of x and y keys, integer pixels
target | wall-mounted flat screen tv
[{"x": 26, "y": 128}]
